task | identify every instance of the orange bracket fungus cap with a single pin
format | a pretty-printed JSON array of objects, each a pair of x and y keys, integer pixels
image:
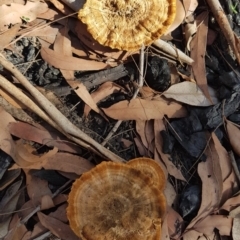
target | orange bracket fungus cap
[
  {"x": 150, "y": 168},
  {"x": 127, "y": 24},
  {"x": 115, "y": 201}
]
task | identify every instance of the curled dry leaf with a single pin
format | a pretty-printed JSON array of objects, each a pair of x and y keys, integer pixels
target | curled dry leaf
[
  {"x": 190, "y": 93},
  {"x": 63, "y": 45},
  {"x": 58, "y": 228},
  {"x": 140, "y": 109},
  {"x": 51, "y": 138},
  {"x": 15, "y": 13},
  {"x": 25, "y": 158},
  {"x": 36, "y": 188},
  {"x": 70, "y": 63},
  {"x": 222, "y": 223}
]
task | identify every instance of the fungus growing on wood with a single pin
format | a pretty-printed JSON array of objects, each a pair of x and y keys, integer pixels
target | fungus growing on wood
[
  {"x": 150, "y": 168},
  {"x": 127, "y": 24},
  {"x": 115, "y": 201}
]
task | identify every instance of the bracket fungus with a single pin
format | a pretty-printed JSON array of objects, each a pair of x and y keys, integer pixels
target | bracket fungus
[
  {"x": 127, "y": 24},
  {"x": 115, "y": 201},
  {"x": 150, "y": 168}
]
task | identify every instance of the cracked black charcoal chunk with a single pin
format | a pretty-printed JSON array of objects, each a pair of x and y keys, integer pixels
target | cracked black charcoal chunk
[
  {"x": 52, "y": 176},
  {"x": 230, "y": 79},
  {"x": 190, "y": 200},
  {"x": 168, "y": 142},
  {"x": 193, "y": 143},
  {"x": 158, "y": 74},
  {"x": 5, "y": 162}
]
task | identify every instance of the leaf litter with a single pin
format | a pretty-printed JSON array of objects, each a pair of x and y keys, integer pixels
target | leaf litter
[{"x": 57, "y": 53}]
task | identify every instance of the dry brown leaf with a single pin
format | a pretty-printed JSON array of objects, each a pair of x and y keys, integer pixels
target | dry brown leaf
[
  {"x": 15, "y": 13},
  {"x": 60, "y": 214},
  {"x": 6, "y": 143},
  {"x": 171, "y": 168},
  {"x": 126, "y": 143},
  {"x": 46, "y": 202},
  {"x": 170, "y": 194},
  {"x": 226, "y": 168},
  {"x": 198, "y": 50},
  {"x": 7, "y": 36},
  {"x": 141, "y": 148},
  {"x": 8, "y": 205},
  {"x": 16, "y": 230},
  {"x": 57, "y": 227},
  {"x": 102, "y": 92},
  {"x": 140, "y": 109},
  {"x": 38, "y": 230},
  {"x": 165, "y": 234},
  {"x": 63, "y": 45},
  {"x": 36, "y": 188},
  {"x": 190, "y": 93},
  {"x": 25, "y": 158},
  {"x": 191, "y": 234},
  {"x": 70, "y": 63},
  {"x": 175, "y": 223},
  {"x": 211, "y": 176},
  {"x": 231, "y": 203},
  {"x": 230, "y": 186},
  {"x": 149, "y": 133},
  {"x": 140, "y": 128},
  {"x": 51, "y": 161},
  {"x": 47, "y": 33},
  {"x": 208, "y": 224},
  {"x": 68, "y": 163},
  {"x": 50, "y": 138},
  {"x": 190, "y": 6},
  {"x": 8, "y": 178},
  {"x": 234, "y": 136}
]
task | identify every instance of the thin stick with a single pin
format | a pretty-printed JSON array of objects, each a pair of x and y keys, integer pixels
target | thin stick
[
  {"x": 223, "y": 22},
  {"x": 140, "y": 84},
  {"x": 174, "y": 52},
  {"x": 58, "y": 117}
]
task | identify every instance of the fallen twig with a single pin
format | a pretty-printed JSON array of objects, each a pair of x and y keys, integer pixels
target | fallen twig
[
  {"x": 223, "y": 22},
  {"x": 77, "y": 135},
  {"x": 174, "y": 52}
]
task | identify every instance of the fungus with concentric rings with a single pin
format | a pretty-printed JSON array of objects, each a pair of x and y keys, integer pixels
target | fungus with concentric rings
[
  {"x": 115, "y": 201},
  {"x": 150, "y": 168},
  {"x": 127, "y": 24}
]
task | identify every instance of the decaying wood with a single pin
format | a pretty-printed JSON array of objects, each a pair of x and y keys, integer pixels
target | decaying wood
[{"x": 98, "y": 78}]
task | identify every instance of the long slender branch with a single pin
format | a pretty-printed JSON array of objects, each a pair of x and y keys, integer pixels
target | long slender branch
[{"x": 77, "y": 135}]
